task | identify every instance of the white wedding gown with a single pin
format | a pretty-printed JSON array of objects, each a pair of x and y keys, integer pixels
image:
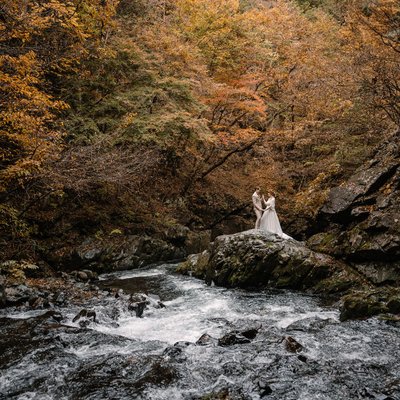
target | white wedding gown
[{"x": 270, "y": 221}]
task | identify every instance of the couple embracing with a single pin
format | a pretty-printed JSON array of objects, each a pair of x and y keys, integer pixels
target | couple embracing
[{"x": 267, "y": 219}]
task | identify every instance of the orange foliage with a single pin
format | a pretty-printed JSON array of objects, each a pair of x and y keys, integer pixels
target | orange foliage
[
  {"x": 372, "y": 33},
  {"x": 40, "y": 40}
]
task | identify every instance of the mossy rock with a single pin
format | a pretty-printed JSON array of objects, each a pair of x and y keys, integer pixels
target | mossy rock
[
  {"x": 361, "y": 305},
  {"x": 196, "y": 265},
  {"x": 334, "y": 285},
  {"x": 256, "y": 259},
  {"x": 326, "y": 242}
]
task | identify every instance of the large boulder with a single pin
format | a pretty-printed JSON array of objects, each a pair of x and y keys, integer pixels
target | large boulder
[
  {"x": 254, "y": 259},
  {"x": 360, "y": 222}
]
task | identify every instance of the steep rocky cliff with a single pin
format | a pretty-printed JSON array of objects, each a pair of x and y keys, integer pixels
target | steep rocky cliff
[{"x": 360, "y": 222}]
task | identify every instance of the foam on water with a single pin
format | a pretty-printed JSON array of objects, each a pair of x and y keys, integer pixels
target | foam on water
[
  {"x": 200, "y": 308},
  {"x": 17, "y": 314},
  {"x": 132, "y": 274},
  {"x": 339, "y": 357}
]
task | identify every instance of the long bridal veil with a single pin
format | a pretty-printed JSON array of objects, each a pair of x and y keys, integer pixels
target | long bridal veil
[{"x": 270, "y": 221}]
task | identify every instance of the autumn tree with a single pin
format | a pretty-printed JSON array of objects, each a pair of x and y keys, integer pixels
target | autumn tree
[
  {"x": 373, "y": 37},
  {"x": 40, "y": 41}
]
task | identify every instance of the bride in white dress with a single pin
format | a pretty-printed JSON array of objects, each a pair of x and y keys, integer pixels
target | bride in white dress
[{"x": 270, "y": 221}]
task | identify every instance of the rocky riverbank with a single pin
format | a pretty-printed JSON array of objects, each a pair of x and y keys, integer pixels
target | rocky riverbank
[
  {"x": 42, "y": 293},
  {"x": 200, "y": 343},
  {"x": 118, "y": 252},
  {"x": 255, "y": 259}
]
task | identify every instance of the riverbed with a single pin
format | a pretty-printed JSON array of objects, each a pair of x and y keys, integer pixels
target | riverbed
[{"x": 46, "y": 355}]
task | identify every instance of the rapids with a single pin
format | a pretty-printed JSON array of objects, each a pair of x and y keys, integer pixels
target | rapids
[{"x": 119, "y": 356}]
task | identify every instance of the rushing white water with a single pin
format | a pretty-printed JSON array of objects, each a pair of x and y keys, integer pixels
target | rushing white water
[
  {"x": 120, "y": 356},
  {"x": 199, "y": 309}
]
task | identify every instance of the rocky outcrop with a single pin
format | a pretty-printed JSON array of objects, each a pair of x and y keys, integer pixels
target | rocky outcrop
[
  {"x": 119, "y": 252},
  {"x": 255, "y": 259},
  {"x": 360, "y": 222}
]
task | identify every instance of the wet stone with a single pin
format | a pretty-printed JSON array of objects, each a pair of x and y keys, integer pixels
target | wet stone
[
  {"x": 302, "y": 358},
  {"x": 265, "y": 389},
  {"x": 90, "y": 274},
  {"x": 59, "y": 298},
  {"x": 251, "y": 333},
  {"x": 232, "y": 338},
  {"x": 82, "y": 276},
  {"x": 393, "y": 305},
  {"x": 17, "y": 295},
  {"x": 177, "y": 352},
  {"x": 86, "y": 314},
  {"x": 138, "y": 308},
  {"x": 309, "y": 324},
  {"x": 292, "y": 344},
  {"x": 205, "y": 339}
]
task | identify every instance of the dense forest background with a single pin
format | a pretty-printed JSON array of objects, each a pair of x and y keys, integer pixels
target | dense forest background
[{"x": 132, "y": 116}]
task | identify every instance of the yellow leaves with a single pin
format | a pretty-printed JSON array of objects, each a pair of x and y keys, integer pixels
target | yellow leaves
[
  {"x": 41, "y": 38},
  {"x": 277, "y": 57},
  {"x": 371, "y": 40},
  {"x": 12, "y": 269},
  {"x": 127, "y": 120},
  {"x": 222, "y": 33}
]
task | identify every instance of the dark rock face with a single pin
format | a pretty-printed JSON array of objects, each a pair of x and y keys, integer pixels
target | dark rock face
[
  {"x": 255, "y": 259},
  {"x": 360, "y": 221},
  {"x": 128, "y": 252},
  {"x": 3, "y": 296}
]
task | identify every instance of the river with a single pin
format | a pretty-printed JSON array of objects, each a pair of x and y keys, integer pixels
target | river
[{"x": 120, "y": 356}]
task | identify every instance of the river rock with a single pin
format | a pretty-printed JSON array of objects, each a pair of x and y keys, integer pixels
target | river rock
[
  {"x": 82, "y": 276},
  {"x": 360, "y": 221},
  {"x": 85, "y": 317},
  {"x": 232, "y": 338},
  {"x": 138, "y": 308},
  {"x": 205, "y": 339},
  {"x": 393, "y": 304},
  {"x": 92, "y": 275},
  {"x": 265, "y": 389},
  {"x": 362, "y": 305},
  {"x": 254, "y": 259},
  {"x": 59, "y": 298},
  {"x": 17, "y": 295},
  {"x": 122, "y": 252},
  {"x": 292, "y": 345}
]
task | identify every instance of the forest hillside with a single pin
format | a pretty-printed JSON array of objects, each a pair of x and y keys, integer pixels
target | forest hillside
[{"x": 141, "y": 116}]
